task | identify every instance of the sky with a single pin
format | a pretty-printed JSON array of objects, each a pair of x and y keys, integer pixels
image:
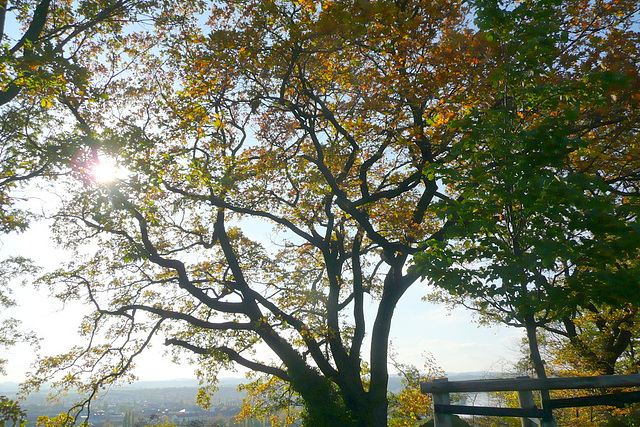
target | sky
[{"x": 453, "y": 337}]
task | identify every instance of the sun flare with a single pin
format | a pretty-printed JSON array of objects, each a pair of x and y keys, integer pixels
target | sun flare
[{"x": 105, "y": 171}]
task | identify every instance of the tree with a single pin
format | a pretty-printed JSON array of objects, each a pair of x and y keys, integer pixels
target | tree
[
  {"x": 545, "y": 226},
  {"x": 129, "y": 418},
  {"x": 320, "y": 120},
  {"x": 598, "y": 340},
  {"x": 10, "y": 412},
  {"x": 269, "y": 398},
  {"x": 157, "y": 420},
  {"x": 11, "y": 333}
]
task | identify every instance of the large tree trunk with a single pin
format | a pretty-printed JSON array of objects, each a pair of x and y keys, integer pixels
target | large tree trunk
[
  {"x": 326, "y": 407},
  {"x": 395, "y": 286},
  {"x": 322, "y": 402}
]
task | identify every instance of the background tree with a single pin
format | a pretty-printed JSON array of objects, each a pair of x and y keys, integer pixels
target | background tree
[
  {"x": 545, "y": 226},
  {"x": 599, "y": 340},
  {"x": 596, "y": 340},
  {"x": 129, "y": 418},
  {"x": 11, "y": 414},
  {"x": 411, "y": 407}
]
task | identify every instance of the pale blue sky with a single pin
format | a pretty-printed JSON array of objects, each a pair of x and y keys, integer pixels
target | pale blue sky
[
  {"x": 452, "y": 337},
  {"x": 456, "y": 341}
]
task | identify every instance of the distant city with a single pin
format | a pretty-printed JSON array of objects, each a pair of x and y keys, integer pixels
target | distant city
[
  {"x": 165, "y": 403},
  {"x": 146, "y": 403}
]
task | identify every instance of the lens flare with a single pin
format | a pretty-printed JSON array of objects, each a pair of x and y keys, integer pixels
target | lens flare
[{"x": 106, "y": 171}]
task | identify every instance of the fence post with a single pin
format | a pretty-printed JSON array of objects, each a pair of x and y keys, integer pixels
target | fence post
[
  {"x": 525, "y": 399},
  {"x": 441, "y": 398},
  {"x": 548, "y": 420},
  {"x": 548, "y": 423}
]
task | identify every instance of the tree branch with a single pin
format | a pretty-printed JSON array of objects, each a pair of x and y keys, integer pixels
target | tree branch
[
  {"x": 169, "y": 314},
  {"x": 233, "y": 355}
]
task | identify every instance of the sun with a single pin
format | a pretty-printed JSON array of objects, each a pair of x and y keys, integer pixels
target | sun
[{"x": 105, "y": 170}]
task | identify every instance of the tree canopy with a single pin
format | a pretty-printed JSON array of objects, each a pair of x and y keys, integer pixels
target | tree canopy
[
  {"x": 292, "y": 114},
  {"x": 290, "y": 168},
  {"x": 48, "y": 52}
]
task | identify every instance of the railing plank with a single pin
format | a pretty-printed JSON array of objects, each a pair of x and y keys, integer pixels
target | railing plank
[
  {"x": 605, "y": 399},
  {"x": 519, "y": 384},
  {"x": 489, "y": 411},
  {"x": 441, "y": 388},
  {"x": 441, "y": 419}
]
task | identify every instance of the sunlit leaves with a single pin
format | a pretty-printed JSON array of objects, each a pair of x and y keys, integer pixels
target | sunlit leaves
[
  {"x": 410, "y": 404},
  {"x": 271, "y": 399}
]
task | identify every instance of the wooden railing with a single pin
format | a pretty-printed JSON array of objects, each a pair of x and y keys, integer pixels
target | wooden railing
[{"x": 530, "y": 414}]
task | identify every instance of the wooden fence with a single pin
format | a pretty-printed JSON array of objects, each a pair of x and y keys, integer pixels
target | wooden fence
[{"x": 442, "y": 408}]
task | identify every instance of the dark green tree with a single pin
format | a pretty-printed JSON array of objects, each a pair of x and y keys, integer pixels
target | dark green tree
[
  {"x": 129, "y": 419},
  {"x": 544, "y": 224}
]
